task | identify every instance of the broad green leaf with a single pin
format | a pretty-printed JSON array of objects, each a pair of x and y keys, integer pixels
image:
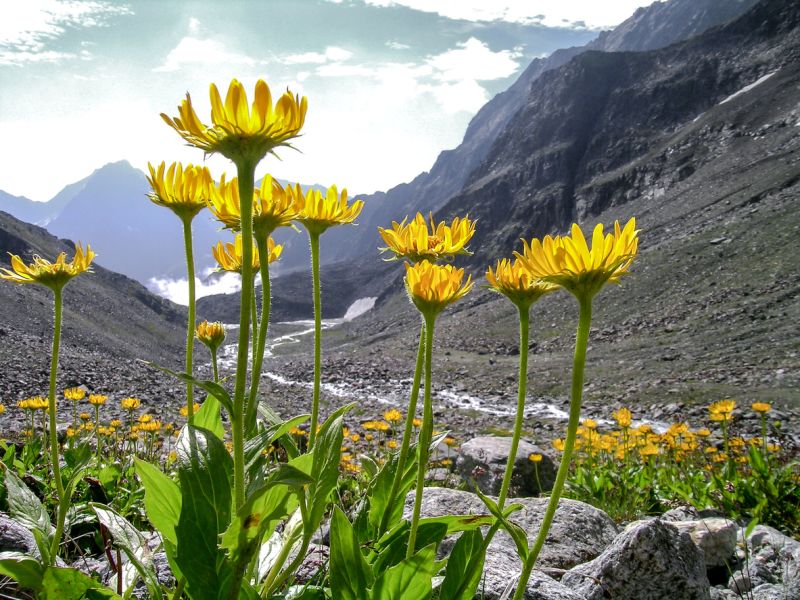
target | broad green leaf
[
  {"x": 303, "y": 592},
  {"x": 464, "y": 567},
  {"x": 350, "y": 575},
  {"x": 515, "y": 531},
  {"x": 162, "y": 500},
  {"x": 24, "y": 506},
  {"x": 109, "y": 476},
  {"x": 380, "y": 490},
  {"x": 205, "y": 473},
  {"x": 394, "y": 549},
  {"x": 210, "y": 387},
  {"x": 126, "y": 537},
  {"x": 254, "y": 446},
  {"x": 70, "y": 584},
  {"x": 22, "y": 568},
  {"x": 78, "y": 456},
  {"x": 208, "y": 417},
  {"x": 409, "y": 579}
]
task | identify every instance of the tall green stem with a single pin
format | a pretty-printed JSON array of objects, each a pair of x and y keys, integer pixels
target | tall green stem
[
  {"x": 425, "y": 434},
  {"x": 254, "y": 317},
  {"x": 578, "y": 364},
  {"x": 187, "y": 241},
  {"x": 246, "y": 173},
  {"x": 261, "y": 342},
  {"x": 314, "y": 239},
  {"x": 214, "y": 367},
  {"x": 51, "y": 400},
  {"x": 406, "y": 443},
  {"x": 524, "y": 326}
]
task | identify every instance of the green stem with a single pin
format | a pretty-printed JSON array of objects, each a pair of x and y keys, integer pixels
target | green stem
[
  {"x": 578, "y": 365},
  {"x": 214, "y": 368},
  {"x": 406, "y": 443},
  {"x": 275, "y": 577},
  {"x": 179, "y": 589},
  {"x": 314, "y": 239},
  {"x": 425, "y": 434},
  {"x": 524, "y": 326},
  {"x": 187, "y": 240},
  {"x": 254, "y": 317},
  {"x": 246, "y": 172},
  {"x": 261, "y": 342},
  {"x": 51, "y": 399}
]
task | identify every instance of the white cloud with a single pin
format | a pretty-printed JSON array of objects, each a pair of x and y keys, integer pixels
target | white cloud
[
  {"x": 474, "y": 60},
  {"x": 177, "y": 289},
  {"x": 195, "y": 51},
  {"x": 575, "y": 14},
  {"x": 397, "y": 45},
  {"x": 27, "y": 27},
  {"x": 332, "y": 54}
]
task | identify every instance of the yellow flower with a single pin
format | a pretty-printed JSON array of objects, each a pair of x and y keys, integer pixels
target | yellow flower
[
  {"x": 382, "y": 426},
  {"x": 97, "y": 399},
  {"x": 130, "y": 403},
  {"x": 432, "y": 287},
  {"x": 450, "y": 441},
  {"x": 53, "y": 275},
  {"x": 722, "y": 410},
  {"x": 229, "y": 255},
  {"x": 703, "y": 432},
  {"x": 415, "y": 241},
  {"x": 116, "y": 423},
  {"x": 183, "y": 190},
  {"x": 535, "y": 458},
  {"x": 393, "y": 415},
  {"x": 567, "y": 261},
  {"x": 623, "y": 417},
  {"x": 76, "y": 394},
  {"x": 319, "y": 212},
  {"x": 589, "y": 423},
  {"x": 273, "y": 206},
  {"x": 185, "y": 409},
  {"x": 211, "y": 334},
  {"x": 517, "y": 283},
  {"x": 297, "y": 431},
  {"x": 369, "y": 437},
  {"x": 236, "y": 131},
  {"x": 70, "y": 432},
  {"x": 2, "y": 408},
  {"x": 145, "y": 418},
  {"x": 558, "y": 444},
  {"x": 417, "y": 423},
  {"x": 354, "y": 437},
  {"x": 773, "y": 447},
  {"x": 84, "y": 416},
  {"x": 649, "y": 450},
  {"x": 761, "y": 407},
  {"x": 391, "y": 444}
]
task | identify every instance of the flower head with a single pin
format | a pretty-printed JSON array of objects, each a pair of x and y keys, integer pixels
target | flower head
[
  {"x": 54, "y": 275},
  {"x": 535, "y": 457},
  {"x": 76, "y": 394},
  {"x": 34, "y": 403},
  {"x": 761, "y": 407},
  {"x": 568, "y": 261},
  {"x": 415, "y": 241},
  {"x": 185, "y": 409},
  {"x": 722, "y": 410},
  {"x": 517, "y": 283},
  {"x": 130, "y": 403},
  {"x": 183, "y": 190},
  {"x": 97, "y": 399},
  {"x": 273, "y": 206},
  {"x": 237, "y": 131},
  {"x": 623, "y": 417},
  {"x": 211, "y": 334},
  {"x": 433, "y": 287},
  {"x": 229, "y": 255},
  {"x": 393, "y": 415},
  {"x": 319, "y": 212}
]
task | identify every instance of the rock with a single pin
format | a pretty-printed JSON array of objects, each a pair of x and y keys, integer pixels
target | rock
[
  {"x": 579, "y": 532},
  {"x": 772, "y": 558},
  {"x": 769, "y": 591},
  {"x": 722, "y": 594},
  {"x": 682, "y": 513},
  {"x": 482, "y": 462},
  {"x": 651, "y": 561},
  {"x": 715, "y": 537},
  {"x": 16, "y": 538},
  {"x": 540, "y": 586},
  {"x": 316, "y": 561}
]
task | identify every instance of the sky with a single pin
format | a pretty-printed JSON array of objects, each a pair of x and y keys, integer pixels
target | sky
[{"x": 390, "y": 83}]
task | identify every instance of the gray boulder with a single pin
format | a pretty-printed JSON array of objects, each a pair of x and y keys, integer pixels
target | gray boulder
[
  {"x": 482, "y": 462},
  {"x": 772, "y": 560},
  {"x": 16, "y": 538},
  {"x": 715, "y": 537},
  {"x": 651, "y": 561},
  {"x": 579, "y": 533}
]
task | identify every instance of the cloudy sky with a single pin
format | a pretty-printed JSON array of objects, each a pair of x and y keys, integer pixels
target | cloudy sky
[{"x": 390, "y": 83}]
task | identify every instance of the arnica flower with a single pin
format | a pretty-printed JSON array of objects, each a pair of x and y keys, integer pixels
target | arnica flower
[
  {"x": 50, "y": 274},
  {"x": 76, "y": 394},
  {"x": 590, "y": 424},
  {"x": 517, "y": 283},
  {"x": 183, "y": 190},
  {"x": 393, "y": 415},
  {"x": 229, "y": 255},
  {"x": 761, "y": 407},
  {"x": 237, "y": 132},
  {"x": 319, "y": 212},
  {"x": 535, "y": 458},
  {"x": 415, "y": 241},
  {"x": 623, "y": 417},
  {"x": 97, "y": 399},
  {"x": 433, "y": 287},
  {"x": 130, "y": 403},
  {"x": 211, "y": 334},
  {"x": 722, "y": 410},
  {"x": 2, "y": 408},
  {"x": 33, "y": 403},
  {"x": 185, "y": 409},
  {"x": 568, "y": 261},
  {"x": 273, "y": 206}
]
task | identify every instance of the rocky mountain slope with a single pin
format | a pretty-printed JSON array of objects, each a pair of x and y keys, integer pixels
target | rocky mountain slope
[{"x": 110, "y": 322}]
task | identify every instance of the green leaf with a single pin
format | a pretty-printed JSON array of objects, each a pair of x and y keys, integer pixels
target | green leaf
[
  {"x": 109, "y": 476},
  {"x": 78, "y": 456},
  {"x": 205, "y": 473},
  {"x": 208, "y": 417},
  {"x": 254, "y": 446},
  {"x": 350, "y": 575},
  {"x": 393, "y": 550},
  {"x": 515, "y": 531},
  {"x": 22, "y": 568},
  {"x": 409, "y": 579},
  {"x": 380, "y": 490},
  {"x": 128, "y": 538},
  {"x": 69, "y": 584},
  {"x": 210, "y": 387},
  {"x": 24, "y": 506},
  {"x": 464, "y": 567},
  {"x": 162, "y": 500}
]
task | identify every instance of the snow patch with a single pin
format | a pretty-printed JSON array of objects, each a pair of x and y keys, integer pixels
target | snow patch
[
  {"x": 359, "y": 307},
  {"x": 747, "y": 88}
]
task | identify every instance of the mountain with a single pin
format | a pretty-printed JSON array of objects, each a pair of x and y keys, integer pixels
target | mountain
[
  {"x": 655, "y": 26},
  {"x": 110, "y": 321}
]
